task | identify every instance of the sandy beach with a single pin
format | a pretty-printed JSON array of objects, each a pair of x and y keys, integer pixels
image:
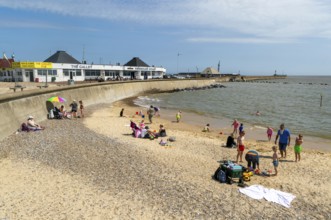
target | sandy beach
[{"x": 92, "y": 168}]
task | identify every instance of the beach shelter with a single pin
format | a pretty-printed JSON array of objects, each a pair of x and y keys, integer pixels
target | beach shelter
[{"x": 210, "y": 72}]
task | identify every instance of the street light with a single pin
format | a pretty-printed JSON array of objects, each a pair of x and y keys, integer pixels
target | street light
[{"x": 178, "y": 54}]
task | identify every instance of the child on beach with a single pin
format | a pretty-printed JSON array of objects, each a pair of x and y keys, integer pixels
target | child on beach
[
  {"x": 275, "y": 159},
  {"x": 297, "y": 147},
  {"x": 241, "y": 146},
  {"x": 241, "y": 127},
  {"x": 178, "y": 116},
  {"x": 81, "y": 108},
  {"x": 269, "y": 133},
  {"x": 235, "y": 125},
  {"x": 142, "y": 124},
  {"x": 121, "y": 113},
  {"x": 206, "y": 128}
]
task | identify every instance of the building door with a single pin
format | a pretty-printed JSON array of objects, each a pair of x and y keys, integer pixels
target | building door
[
  {"x": 31, "y": 76},
  {"x": 71, "y": 72},
  {"x": 132, "y": 75}
]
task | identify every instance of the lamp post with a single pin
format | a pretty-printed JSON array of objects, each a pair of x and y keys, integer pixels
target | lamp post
[{"x": 178, "y": 54}]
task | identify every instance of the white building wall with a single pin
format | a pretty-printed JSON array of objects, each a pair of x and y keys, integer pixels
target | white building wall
[{"x": 121, "y": 71}]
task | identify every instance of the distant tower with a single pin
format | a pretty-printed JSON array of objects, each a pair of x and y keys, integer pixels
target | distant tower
[{"x": 218, "y": 66}]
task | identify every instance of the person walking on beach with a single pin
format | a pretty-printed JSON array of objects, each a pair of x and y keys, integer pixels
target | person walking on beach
[
  {"x": 269, "y": 132},
  {"x": 178, "y": 116},
  {"x": 275, "y": 161},
  {"x": 81, "y": 108},
  {"x": 241, "y": 146},
  {"x": 235, "y": 125},
  {"x": 284, "y": 140},
  {"x": 298, "y": 148},
  {"x": 150, "y": 113}
]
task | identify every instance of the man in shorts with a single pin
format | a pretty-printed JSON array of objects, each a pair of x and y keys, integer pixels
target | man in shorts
[{"x": 284, "y": 140}]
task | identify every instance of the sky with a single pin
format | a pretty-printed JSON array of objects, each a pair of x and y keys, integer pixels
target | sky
[{"x": 253, "y": 37}]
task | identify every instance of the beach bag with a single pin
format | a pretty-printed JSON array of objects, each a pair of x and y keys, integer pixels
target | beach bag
[
  {"x": 24, "y": 127},
  {"x": 172, "y": 139},
  {"x": 220, "y": 175}
]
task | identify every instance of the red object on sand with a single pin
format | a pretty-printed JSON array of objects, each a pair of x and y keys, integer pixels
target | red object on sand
[{"x": 136, "y": 113}]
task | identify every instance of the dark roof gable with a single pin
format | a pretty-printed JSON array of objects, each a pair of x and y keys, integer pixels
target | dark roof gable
[
  {"x": 61, "y": 57},
  {"x": 6, "y": 63},
  {"x": 136, "y": 61}
]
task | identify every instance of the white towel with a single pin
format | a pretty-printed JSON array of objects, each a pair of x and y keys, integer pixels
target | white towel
[{"x": 272, "y": 195}]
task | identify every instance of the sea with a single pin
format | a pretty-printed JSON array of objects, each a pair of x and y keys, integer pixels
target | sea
[{"x": 302, "y": 103}]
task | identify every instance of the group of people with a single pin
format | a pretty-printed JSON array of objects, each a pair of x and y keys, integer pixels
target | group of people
[
  {"x": 143, "y": 131},
  {"x": 60, "y": 113},
  {"x": 252, "y": 157}
]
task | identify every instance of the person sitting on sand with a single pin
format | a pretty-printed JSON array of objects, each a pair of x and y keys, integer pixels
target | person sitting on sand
[
  {"x": 121, "y": 113},
  {"x": 162, "y": 132},
  {"x": 206, "y": 128},
  {"x": 142, "y": 124},
  {"x": 298, "y": 148},
  {"x": 63, "y": 111},
  {"x": 241, "y": 146},
  {"x": 230, "y": 141},
  {"x": 32, "y": 125},
  {"x": 275, "y": 160},
  {"x": 144, "y": 133}
]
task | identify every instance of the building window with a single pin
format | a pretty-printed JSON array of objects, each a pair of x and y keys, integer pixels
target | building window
[
  {"x": 42, "y": 72},
  {"x": 110, "y": 73},
  {"x": 92, "y": 72},
  {"x": 66, "y": 72},
  {"x": 127, "y": 74},
  {"x": 78, "y": 73}
]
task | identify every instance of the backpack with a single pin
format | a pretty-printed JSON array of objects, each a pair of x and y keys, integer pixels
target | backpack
[
  {"x": 24, "y": 127},
  {"x": 220, "y": 175}
]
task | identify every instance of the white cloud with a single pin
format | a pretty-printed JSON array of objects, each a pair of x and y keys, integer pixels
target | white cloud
[
  {"x": 240, "y": 40},
  {"x": 261, "y": 19}
]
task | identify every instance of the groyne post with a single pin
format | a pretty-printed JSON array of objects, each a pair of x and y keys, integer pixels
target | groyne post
[{"x": 321, "y": 101}]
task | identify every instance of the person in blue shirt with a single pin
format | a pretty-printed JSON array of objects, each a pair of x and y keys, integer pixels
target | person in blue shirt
[
  {"x": 241, "y": 127},
  {"x": 284, "y": 140}
]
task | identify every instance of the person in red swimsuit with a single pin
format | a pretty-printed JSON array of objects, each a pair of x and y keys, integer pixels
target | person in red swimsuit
[{"x": 241, "y": 146}]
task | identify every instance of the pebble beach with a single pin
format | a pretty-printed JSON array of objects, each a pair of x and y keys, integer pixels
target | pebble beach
[{"x": 92, "y": 168}]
